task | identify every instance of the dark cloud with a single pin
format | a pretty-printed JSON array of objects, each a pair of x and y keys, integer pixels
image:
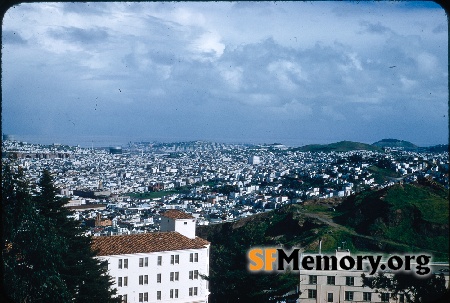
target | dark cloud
[
  {"x": 93, "y": 8},
  {"x": 12, "y": 37},
  {"x": 374, "y": 28},
  {"x": 80, "y": 35}
]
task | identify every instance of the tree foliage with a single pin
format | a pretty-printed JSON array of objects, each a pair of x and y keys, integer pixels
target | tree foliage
[
  {"x": 415, "y": 289},
  {"x": 46, "y": 256},
  {"x": 229, "y": 277}
]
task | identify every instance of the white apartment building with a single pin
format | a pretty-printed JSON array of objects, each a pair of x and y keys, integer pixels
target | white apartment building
[
  {"x": 341, "y": 286},
  {"x": 159, "y": 267}
]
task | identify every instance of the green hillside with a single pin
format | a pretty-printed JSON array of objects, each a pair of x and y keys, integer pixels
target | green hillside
[
  {"x": 342, "y": 146},
  {"x": 395, "y": 143},
  {"x": 400, "y": 219},
  {"x": 416, "y": 215}
]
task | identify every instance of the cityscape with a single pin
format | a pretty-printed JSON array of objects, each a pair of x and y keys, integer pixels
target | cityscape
[
  {"x": 146, "y": 190},
  {"x": 211, "y": 152},
  {"x": 215, "y": 182}
]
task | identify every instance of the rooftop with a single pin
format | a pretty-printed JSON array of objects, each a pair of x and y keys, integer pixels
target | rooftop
[
  {"x": 176, "y": 214},
  {"x": 145, "y": 243}
]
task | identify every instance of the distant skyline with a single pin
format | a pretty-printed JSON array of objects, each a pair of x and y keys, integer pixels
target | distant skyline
[{"x": 296, "y": 73}]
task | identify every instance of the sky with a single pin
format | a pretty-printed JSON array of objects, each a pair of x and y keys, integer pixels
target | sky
[{"x": 295, "y": 73}]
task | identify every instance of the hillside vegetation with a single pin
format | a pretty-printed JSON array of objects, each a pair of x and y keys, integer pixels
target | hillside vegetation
[
  {"x": 402, "y": 219},
  {"x": 395, "y": 143},
  {"x": 342, "y": 146},
  {"x": 413, "y": 214}
]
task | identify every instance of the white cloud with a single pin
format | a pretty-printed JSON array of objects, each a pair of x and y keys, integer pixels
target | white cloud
[
  {"x": 288, "y": 73},
  {"x": 208, "y": 43}
]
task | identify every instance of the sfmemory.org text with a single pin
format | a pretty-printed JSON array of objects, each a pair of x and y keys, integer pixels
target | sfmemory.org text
[{"x": 263, "y": 259}]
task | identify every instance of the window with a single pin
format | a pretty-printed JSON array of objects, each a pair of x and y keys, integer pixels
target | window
[
  {"x": 141, "y": 297},
  {"x": 367, "y": 296},
  {"x": 385, "y": 297},
  {"x": 119, "y": 281},
  {"x": 124, "y": 299},
  {"x": 312, "y": 293},
  {"x": 330, "y": 297},
  {"x": 158, "y": 295},
  {"x": 185, "y": 223},
  {"x": 177, "y": 276},
  {"x": 195, "y": 291},
  {"x": 172, "y": 274},
  {"x": 159, "y": 260},
  {"x": 125, "y": 281},
  {"x": 348, "y": 295},
  {"x": 143, "y": 280},
  {"x": 195, "y": 274},
  {"x": 191, "y": 290},
  {"x": 330, "y": 280},
  {"x": 143, "y": 262},
  {"x": 401, "y": 298},
  {"x": 177, "y": 259},
  {"x": 145, "y": 296},
  {"x": 158, "y": 278},
  {"x": 172, "y": 259},
  {"x": 349, "y": 281},
  {"x": 193, "y": 257},
  {"x": 312, "y": 279},
  {"x": 123, "y": 263},
  {"x": 191, "y": 275},
  {"x": 173, "y": 293}
]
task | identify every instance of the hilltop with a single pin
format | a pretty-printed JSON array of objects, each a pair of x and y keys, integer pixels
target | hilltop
[
  {"x": 395, "y": 143},
  {"x": 342, "y": 146}
]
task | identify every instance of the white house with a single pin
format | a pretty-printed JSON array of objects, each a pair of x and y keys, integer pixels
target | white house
[{"x": 159, "y": 267}]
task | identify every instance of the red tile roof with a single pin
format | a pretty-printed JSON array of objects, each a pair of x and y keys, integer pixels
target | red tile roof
[
  {"x": 176, "y": 214},
  {"x": 145, "y": 243}
]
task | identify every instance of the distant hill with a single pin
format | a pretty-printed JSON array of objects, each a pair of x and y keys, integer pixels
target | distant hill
[
  {"x": 342, "y": 146},
  {"x": 441, "y": 148},
  {"x": 413, "y": 214},
  {"x": 394, "y": 143}
]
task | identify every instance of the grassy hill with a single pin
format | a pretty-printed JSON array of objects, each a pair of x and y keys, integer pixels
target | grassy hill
[
  {"x": 412, "y": 214},
  {"x": 342, "y": 146},
  {"x": 410, "y": 218},
  {"x": 395, "y": 143}
]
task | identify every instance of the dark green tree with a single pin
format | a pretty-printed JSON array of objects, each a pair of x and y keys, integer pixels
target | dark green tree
[
  {"x": 85, "y": 275},
  {"x": 46, "y": 255},
  {"x": 416, "y": 289},
  {"x": 31, "y": 256},
  {"x": 229, "y": 276}
]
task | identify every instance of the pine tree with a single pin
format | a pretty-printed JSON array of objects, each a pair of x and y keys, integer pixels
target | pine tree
[
  {"x": 31, "y": 255},
  {"x": 85, "y": 275},
  {"x": 46, "y": 256}
]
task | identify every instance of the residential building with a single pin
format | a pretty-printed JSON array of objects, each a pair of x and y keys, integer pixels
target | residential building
[
  {"x": 158, "y": 267},
  {"x": 346, "y": 285}
]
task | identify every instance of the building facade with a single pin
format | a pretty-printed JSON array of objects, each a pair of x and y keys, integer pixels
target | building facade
[
  {"x": 159, "y": 267},
  {"x": 345, "y": 285}
]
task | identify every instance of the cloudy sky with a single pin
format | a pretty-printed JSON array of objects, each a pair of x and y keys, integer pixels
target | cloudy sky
[{"x": 290, "y": 72}]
